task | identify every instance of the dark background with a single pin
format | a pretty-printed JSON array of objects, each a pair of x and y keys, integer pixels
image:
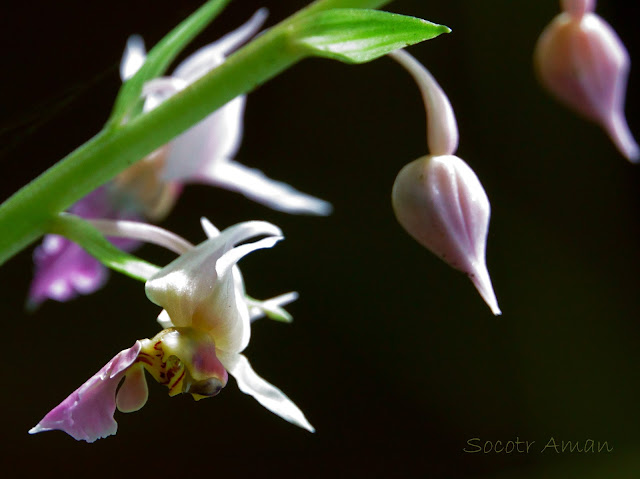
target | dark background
[{"x": 392, "y": 356}]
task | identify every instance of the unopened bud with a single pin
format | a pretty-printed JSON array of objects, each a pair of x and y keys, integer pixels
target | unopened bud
[
  {"x": 438, "y": 198},
  {"x": 583, "y": 62},
  {"x": 441, "y": 203}
]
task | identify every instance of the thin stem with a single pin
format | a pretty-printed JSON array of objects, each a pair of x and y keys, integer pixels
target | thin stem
[
  {"x": 27, "y": 214},
  {"x": 442, "y": 128}
]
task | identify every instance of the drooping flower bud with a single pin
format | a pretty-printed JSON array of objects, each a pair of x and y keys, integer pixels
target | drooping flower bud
[
  {"x": 441, "y": 203},
  {"x": 438, "y": 199},
  {"x": 582, "y": 61}
]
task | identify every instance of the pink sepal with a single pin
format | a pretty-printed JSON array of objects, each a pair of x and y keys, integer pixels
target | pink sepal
[{"x": 87, "y": 414}]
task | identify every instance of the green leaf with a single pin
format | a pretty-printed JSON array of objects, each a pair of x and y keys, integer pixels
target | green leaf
[
  {"x": 161, "y": 56},
  {"x": 83, "y": 233},
  {"x": 358, "y": 35}
]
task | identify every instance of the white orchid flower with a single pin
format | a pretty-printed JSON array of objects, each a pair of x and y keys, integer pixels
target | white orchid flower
[
  {"x": 148, "y": 190},
  {"x": 206, "y": 318},
  {"x": 205, "y": 152}
]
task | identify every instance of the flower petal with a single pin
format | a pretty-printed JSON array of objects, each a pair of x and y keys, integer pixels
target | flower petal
[
  {"x": 64, "y": 270},
  {"x": 272, "y": 307},
  {"x": 160, "y": 89},
  {"x": 209, "y": 229},
  {"x": 164, "y": 320},
  {"x": 195, "y": 295},
  {"x": 257, "y": 309},
  {"x": 231, "y": 257},
  {"x": 133, "y": 393},
  {"x": 265, "y": 393},
  {"x": 133, "y": 57},
  {"x": 212, "y": 55},
  {"x": 208, "y": 143},
  {"x": 142, "y": 232},
  {"x": 257, "y": 187},
  {"x": 87, "y": 414}
]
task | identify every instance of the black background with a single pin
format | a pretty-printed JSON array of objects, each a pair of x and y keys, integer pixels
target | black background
[{"x": 392, "y": 356}]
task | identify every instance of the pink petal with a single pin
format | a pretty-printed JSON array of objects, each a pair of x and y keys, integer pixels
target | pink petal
[
  {"x": 87, "y": 414},
  {"x": 63, "y": 270},
  {"x": 134, "y": 392}
]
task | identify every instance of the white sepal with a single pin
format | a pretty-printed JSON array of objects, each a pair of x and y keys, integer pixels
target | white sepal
[{"x": 265, "y": 393}]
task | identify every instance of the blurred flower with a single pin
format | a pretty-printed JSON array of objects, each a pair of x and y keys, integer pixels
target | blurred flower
[
  {"x": 62, "y": 269},
  {"x": 149, "y": 189},
  {"x": 207, "y": 319},
  {"x": 438, "y": 199},
  {"x": 582, "y": 61},
  {"x": 204, "y": 153}
]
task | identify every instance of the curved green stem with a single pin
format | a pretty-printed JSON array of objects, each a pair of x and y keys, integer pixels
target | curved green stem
[{"x": 27, "y": 214}]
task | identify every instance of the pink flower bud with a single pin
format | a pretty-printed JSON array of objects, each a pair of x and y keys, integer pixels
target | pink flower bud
[
  {"x": 438, "y": 198},
  {"x": 441, "y": 203},
  {"x": 582, "y": 61}
]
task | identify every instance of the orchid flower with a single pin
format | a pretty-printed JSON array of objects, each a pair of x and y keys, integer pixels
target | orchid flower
[
  {"x": 62, "y": 268},
  {"x": 207, "y": 325},
  {"x": 149, "y": 189},
  {"x": 205, "y": 152},
  {"x": 438, "y": 199}
]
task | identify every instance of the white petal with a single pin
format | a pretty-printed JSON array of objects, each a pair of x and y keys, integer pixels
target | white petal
[
  {"x": 133, "y": 57},
  {"x": 241, "y": 232},
  {"x": 143, "y": 232},
  {"x": 235, "y": 39},
  {"x": 265, "y": 393},
  {"x": 164, "y": 320},
  {"x": 256, "y": 186},
  {"x": 212, "y": 55},
  {"x": 210, "y": 142},
  {"x": 194, "y": 295},
  {"x": 272, "y": 307},
  {"x": 160, "y": 89},
  {"x": 209, "y": 229},
  {"x": 231, "y": 257}
]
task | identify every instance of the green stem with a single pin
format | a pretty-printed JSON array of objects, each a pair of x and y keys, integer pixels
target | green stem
[
  {"x": 91, "y": 239},
  {"x": 26, "y": 215}
]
